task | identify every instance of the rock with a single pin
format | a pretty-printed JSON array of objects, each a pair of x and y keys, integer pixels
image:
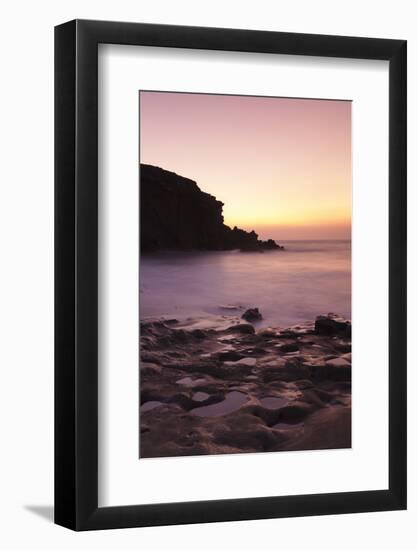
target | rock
[
  {"x": 150, "y": 405},
  {"x": 271, "y": 363},
  {"x": 242, "y": 328},
  {"x": 295, "y": 413},
  {"x": 176, "y": 214},
  {"x": 256, "y": 351},
  {"x": 268, "y": 333},
  {"x": 252, "y": 314},
  {"x": 229, "y": 355},
  {"x": 327, "y": 372},
  {"x": 149, "y": 369},
  {"x": 248, "y": 361},
  {"x": 332, "y": 325},
  {"x": 198, "y": 333},
  {"x": 288, "y": 372},
  {"x": 338, "y": 362},
  {"x": 270, "y": 245},
  {"x": 287, "y": 348},
  {"x": 343, "y": 347}
]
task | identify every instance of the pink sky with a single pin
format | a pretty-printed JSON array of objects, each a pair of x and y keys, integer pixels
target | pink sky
[{"x": 281, "y": 166}]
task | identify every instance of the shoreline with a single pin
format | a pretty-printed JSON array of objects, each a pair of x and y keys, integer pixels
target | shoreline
[{"x": 216, "y": 385}]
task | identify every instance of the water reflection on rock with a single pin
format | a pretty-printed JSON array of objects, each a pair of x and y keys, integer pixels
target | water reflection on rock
[{"x": 232, "y": 401}]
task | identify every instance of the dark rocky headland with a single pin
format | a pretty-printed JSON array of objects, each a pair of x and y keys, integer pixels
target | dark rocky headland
[
  {"x": 217, "y": 385},
  {"x": 176, "y": 215}
]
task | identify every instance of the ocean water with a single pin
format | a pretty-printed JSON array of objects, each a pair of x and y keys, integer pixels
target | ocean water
[{"x": 307, "y": 279}]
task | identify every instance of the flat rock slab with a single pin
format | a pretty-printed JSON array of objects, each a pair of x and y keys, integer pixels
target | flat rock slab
[
  {"x": 338, "y": 362},
  {"x": 190, "y": 382},
  {"x": 247, "y": 361},
  {"x": 150, "y": 405}
]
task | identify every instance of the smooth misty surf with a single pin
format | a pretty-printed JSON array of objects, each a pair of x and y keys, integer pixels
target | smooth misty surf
[{"x": 289, "y": 287}]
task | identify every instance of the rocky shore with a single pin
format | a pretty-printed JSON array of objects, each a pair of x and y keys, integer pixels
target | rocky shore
[
  {"x": 175, "y": 214},
  {"x": 217, "y": 385}
]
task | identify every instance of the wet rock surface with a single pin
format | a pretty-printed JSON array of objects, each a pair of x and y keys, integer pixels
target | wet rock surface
[
  {"x": 331, "y": 324},
  {"x": 252, "y": 314},
  {"x": 212, "y": 386}
]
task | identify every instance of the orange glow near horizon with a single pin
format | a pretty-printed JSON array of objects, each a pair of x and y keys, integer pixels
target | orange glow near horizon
[{"x": 280, "y": 166}]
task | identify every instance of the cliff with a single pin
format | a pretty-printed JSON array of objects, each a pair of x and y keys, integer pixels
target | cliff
[{"x": 176, "y": 215}]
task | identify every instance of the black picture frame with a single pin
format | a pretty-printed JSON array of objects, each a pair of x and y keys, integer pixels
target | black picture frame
[{"x": 76, "y": 272}]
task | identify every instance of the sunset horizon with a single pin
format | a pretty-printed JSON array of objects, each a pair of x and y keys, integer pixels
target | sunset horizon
[{"x": 304, "y": 176}]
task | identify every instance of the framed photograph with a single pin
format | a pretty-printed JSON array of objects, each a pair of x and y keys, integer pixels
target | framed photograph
[{"x": 230, "y": 248}]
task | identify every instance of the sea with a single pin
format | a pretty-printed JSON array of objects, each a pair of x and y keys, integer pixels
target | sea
[{"x": 307, "y": 279}]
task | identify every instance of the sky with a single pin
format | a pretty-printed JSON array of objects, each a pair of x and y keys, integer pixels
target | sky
[{"x": 281, "y": 166}]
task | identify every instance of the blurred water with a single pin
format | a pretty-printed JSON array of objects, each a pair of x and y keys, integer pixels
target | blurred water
[{"x": 309, "y": 278}]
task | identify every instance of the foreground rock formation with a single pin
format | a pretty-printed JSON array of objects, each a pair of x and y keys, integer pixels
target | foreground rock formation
[
  {"x": 216, "y": 385},
  {"x": 176, "y": 215}
]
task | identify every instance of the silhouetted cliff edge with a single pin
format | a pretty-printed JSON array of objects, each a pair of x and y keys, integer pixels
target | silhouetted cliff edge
[{"x": 176, "y": 215}]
